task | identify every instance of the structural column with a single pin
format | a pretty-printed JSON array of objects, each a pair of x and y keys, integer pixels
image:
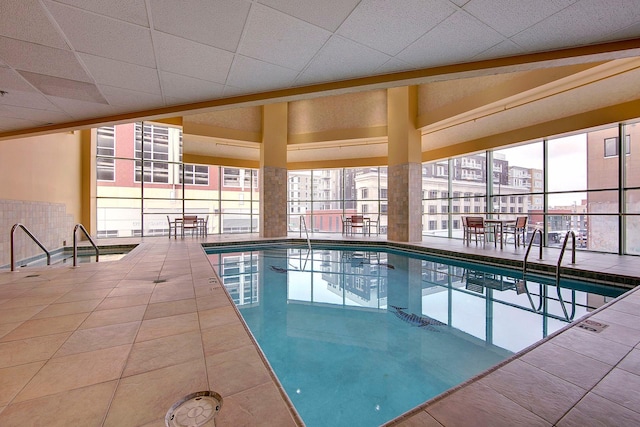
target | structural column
[
  {"x": 405, "y": 166},
  {"x": 273, "y": 171}
]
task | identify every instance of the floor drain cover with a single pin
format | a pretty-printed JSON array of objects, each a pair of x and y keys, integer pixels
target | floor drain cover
[
  {"x": 33, "y": 275},
  {"x": 195, "y": 410},
  {"x": 160, "y": 281}
]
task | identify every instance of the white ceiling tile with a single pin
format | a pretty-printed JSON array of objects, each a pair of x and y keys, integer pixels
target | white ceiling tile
[
  {"x": 27, "y": 20},
  {"x": 509, "y": 17},
  {"x": 389, "y": 26},
  {"x": 501, "y": 50},
  {"x": 102, "y": 36},
  {"x": 121, "y": 74},
  {"x": 234, "y": 91},
  {"x": 257, "y": 76},
  {"x": 587, "y": 18},
  {"x": 216, "y": 23},
  {"x": 629, "y": 32},
  {"x": 33, "y": 100},
  {"x": 133, "y": 11},
  {"x": 328, "y": 14},
  {"x": 130, "y": 99},
  {"x": 181, "y": 56},
  {"x": 341, "y": 58},
  {"x": 83, "y": 110},
  {"x": 58, "y": 87},
  {"x": 280, "y": 39},
  {"x": 10, "y": 80},
  {"x": 41, "y": 59},
  {"x": 43, "y": 116},
  {"x": 8, "y": 123},
  {"x": 465, "y": 37},
  {"x": 393, "y": 65},
  {"x": 188, "y": 88}
]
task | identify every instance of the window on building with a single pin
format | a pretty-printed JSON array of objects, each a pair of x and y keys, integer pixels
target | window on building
[
  {"x": 456, "y": 224},
  {"x": 383, "y": 193},
  {"x": 433, "y": 194},
  {"x": 153, "y": 149},
  {"x": 195, "y": 175},
  {"x": 611, "y": 146},
  {"x": 467, "y": 209},
  {"x": 445, "y": 224},
  {"x": 456, "y": 209},
  {"x": 105, "y": 161},
  {"x": 432, "y": 209},
  {"x": 238, "y": 178},
  {"x": 444, "y": 194},
  {"x": 364, "y": 193},
  {"x": 432, "y": 225},
  {"x": 444, "y": 209}
]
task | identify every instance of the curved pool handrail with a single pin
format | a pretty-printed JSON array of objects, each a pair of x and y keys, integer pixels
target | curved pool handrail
[
  {"x": 13, "y": 230},
  {"x": 75, "y": 243}
]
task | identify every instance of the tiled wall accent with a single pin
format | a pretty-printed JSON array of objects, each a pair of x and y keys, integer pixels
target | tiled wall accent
[
  {"x": 405, "y": 203},
  {"x": 273, "y": 205},
  {"x": 48, "y": 222}
]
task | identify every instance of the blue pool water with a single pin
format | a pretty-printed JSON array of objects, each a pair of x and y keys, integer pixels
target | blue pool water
[{"x": 358, "y": 337}]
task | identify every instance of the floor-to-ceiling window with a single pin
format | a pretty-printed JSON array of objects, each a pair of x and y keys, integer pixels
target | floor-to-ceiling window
[
  {"x": 576, "y": 182},
  {"x": 324, "y": 197},
  {"x": 142, "y": 183}
]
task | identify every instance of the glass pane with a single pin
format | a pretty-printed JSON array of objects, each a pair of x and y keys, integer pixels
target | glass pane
[
  {"x": 602, "y": 158},
  {"x": 122, "y": 185},
  {"x": 567, "y": 169},
  {"x": 117, "y": 217},
  {"x": 518, "y": 172},
  {"x": 601, "y": 233},
  {"x": 632, "y": 199},
  {"x": 632, "y": 160},
  {"x": 633, "y": 234}
]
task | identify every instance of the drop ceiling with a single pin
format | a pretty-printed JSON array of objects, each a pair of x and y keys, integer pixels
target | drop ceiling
[{"x": 79, "y": 62}]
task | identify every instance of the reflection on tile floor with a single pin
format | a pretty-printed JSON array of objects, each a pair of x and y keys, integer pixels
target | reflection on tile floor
[{"x": 129, "y": 338}]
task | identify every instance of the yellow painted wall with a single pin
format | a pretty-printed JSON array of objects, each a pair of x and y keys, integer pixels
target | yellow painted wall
[{"x": 43, "y": 168}]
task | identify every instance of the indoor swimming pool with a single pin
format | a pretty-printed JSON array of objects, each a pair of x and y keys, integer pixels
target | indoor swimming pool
[{"x": 359, "y": 336}]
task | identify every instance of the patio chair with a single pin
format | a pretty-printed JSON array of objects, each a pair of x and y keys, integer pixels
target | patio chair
[
  {"x": 172, "y": 225},
  {"x": 357, "y": 221},
  {"x": 374, "y": 223},
  {"x": 475, "y": 226},
  {"x": 465, "y": 230},
  {"x": 518, "y": 230},
  {"x": 346, "y": 224},
  {"x": 190, "y": 222}
]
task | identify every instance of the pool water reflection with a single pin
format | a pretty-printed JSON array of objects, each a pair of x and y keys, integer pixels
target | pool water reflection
[{"x": 357, "y": 337}]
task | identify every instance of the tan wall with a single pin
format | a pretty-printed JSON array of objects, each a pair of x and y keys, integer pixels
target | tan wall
[{"x": 40, "y": 187}]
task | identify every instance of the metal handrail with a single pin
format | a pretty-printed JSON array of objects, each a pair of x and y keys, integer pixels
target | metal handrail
[
  {"x": 304, "y": 223},
  {"x": 533, "y": 236},
  {"x": 13, "y": 229},
  {"x": 573, "y": 261},
  {"x": 75, "y": 243}
]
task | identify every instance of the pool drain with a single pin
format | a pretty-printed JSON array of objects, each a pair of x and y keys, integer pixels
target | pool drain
[{"x": 194, "y": 410}]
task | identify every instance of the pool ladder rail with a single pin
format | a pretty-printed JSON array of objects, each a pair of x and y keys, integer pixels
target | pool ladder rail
[
  {"x": 573, "y": 261},
  {"x": 30, "y": 234},
  {"x": 303, "y": 224}
]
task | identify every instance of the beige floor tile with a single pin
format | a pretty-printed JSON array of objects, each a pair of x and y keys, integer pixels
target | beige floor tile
[
  {"x": 483, "y": 406},
  {"x": 421, "y": 419},
  {"x": 114, "y": 316},
  {"x": 237, "y": 370},
  {"x": 20, "y": 314},
  {"x": 14, "y": 378},
  {"x": 163, "y": 352},
  {"x": 47, "y": 326},
  {"x": 217, "y": 298},
  {"x": 146, "y": 289},
  {"x": 621, "y": 387},
  {"x": 580, "y": 370},
  {"x": 224, "y": 338},
  {"x": 166, "y": 326},
  {"x": 174, "y": 292},
  {"x": 68, "y": 308},
  {"x": 259, "y": 406},
  {"x": 29, "y": 301},
  {"x": 99, "y": 338},
  {"x": 76, "y": 371},
  {"x": 31, "y": 349},
  {"x": 592, "y": 345},
  {"x": 218, "y": 317},
  {"x": 541, "y": 393},
  {"x": 8, "y": 327},
  {"x": 81, "y": 295},
  {"x": 141, "y": 399},
  {"x": 594, "y": 410},
  {"x": 631, "y": 363},
  {"x": 84, "y": 407},
  {"x": 170, "y": 308},
  {"x": 124, "y": 301}
]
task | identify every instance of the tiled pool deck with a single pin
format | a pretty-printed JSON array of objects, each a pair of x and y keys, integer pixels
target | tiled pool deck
[{"x": 117, "y": 343}]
